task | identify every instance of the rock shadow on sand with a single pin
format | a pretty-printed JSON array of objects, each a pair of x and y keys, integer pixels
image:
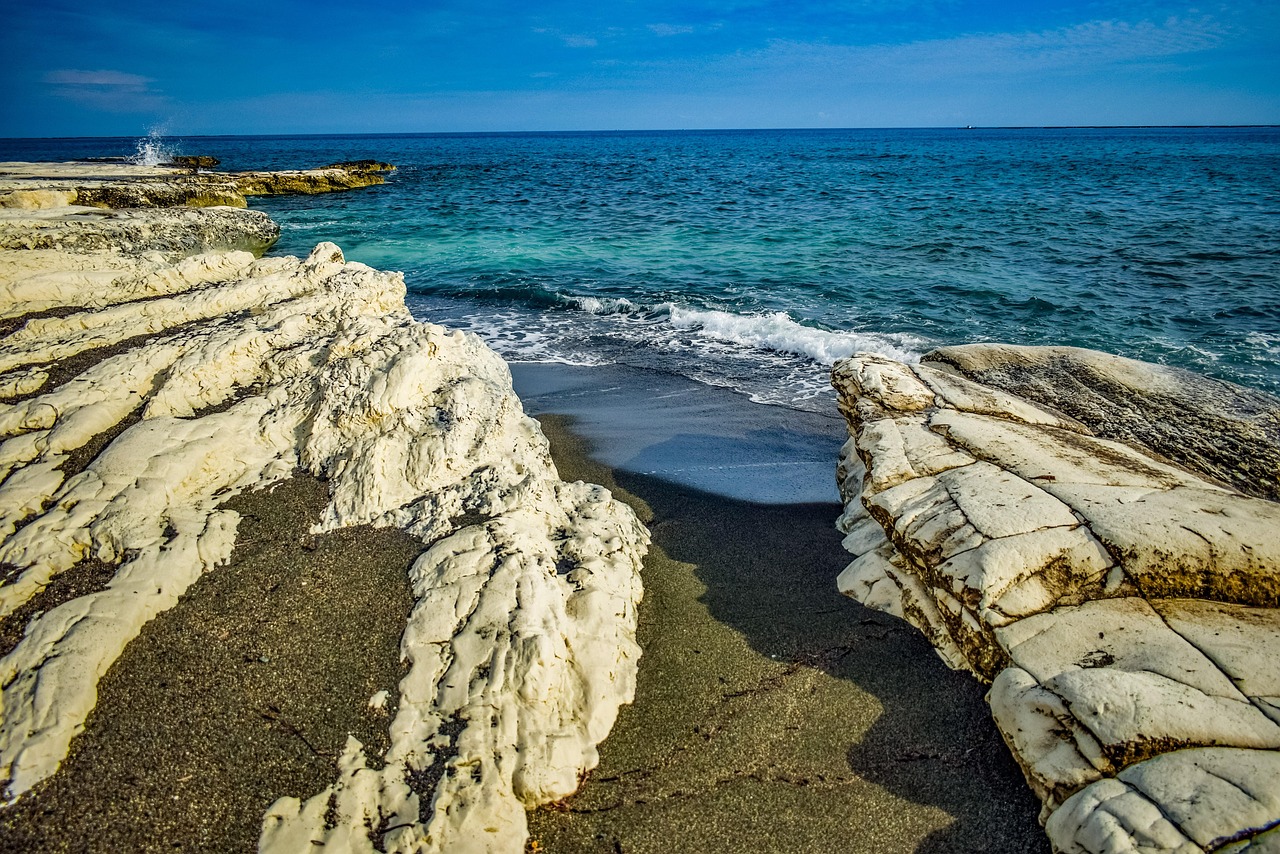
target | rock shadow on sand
[{"x": 774, "y": 714}]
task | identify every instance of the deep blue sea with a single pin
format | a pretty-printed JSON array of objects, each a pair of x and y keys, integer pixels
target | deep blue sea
[{"x": 752, "y": 259}]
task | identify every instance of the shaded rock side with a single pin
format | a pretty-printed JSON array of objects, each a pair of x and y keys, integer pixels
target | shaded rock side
[
  {"x": 141, "y": 393},
  {"x": 1225, "y": 431},
  {"x": 1123, "y": 609}
]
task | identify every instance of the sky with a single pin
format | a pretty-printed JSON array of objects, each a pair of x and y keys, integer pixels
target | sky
[{"x": 116, "y": 68}]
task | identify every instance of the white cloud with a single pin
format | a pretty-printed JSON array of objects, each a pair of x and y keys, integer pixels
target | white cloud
[
  {"x": 1085, "y": 47},
  {"x": 70, "y": 77},
  {"x": 569, "y": 39},
  {"x": 107, "y": 90},
  {"x": 669, "y": 29}
]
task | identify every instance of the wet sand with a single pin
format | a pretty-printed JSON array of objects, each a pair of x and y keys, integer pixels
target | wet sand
[{"x": 773, "y": 714}]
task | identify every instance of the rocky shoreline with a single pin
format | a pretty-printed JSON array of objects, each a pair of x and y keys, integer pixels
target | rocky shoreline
[
  {"x": 1122, "y": 604},
  {"x": 116, "y": 185},
  {"x": 154, "y": 369},
  {"x": 1097, "y": 539}
]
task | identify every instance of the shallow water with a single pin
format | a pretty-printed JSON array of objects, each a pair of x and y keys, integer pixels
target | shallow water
[
  {"x": 678, "y": 431},
  {"x": 752, "y": 259}
]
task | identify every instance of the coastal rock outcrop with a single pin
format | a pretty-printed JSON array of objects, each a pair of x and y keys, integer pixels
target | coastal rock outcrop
[
  {"x": 1124, "y": 608},
  {"x": 121, "y": 186},
  {"x": 152, "y": 372}
]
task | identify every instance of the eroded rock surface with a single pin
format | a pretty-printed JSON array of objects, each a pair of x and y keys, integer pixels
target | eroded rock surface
[
  {"x": 122, "y": 185},
  {"x": 141, "y": 389},
  {"x": 1122, "y": 607},
  {"x": 1226, "y": 431}
]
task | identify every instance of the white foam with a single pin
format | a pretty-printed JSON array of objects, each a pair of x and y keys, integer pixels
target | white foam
[
  {"x": 1269, "y": 343},
  {"x": 768, "y": 357},
  {"x": 777, "y": 331},
  {"x": 595, "y": 305}
]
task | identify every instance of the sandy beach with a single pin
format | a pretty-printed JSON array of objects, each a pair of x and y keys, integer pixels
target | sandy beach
[{"x": 772, "y": 714}]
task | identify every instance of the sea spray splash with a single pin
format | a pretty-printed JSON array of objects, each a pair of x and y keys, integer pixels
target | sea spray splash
[{"x": 152, "y": 149}]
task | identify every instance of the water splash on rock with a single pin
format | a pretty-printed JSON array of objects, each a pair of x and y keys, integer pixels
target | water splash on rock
[{"x": 152, "y": 149}]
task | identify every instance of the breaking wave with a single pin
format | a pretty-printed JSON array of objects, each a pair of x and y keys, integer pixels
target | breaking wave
[
  {"x": 777, "y": 331},
  {"x": 769, "y": 356}
]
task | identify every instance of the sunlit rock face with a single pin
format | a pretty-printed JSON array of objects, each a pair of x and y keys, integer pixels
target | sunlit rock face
[
  {"x": 126, "y": 186},
  {"x": 1122, "y": 603},
  {"x": 152, "y": 367}
]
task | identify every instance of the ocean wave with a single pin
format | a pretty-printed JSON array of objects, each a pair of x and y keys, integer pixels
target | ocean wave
[
  {"x": 777, "y": 331},
  {"x": 770, "y": 357},
  {"x": 599, "y": 306}
]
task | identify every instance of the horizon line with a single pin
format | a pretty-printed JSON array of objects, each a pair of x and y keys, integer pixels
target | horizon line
[{"x": 663, "y": 130}]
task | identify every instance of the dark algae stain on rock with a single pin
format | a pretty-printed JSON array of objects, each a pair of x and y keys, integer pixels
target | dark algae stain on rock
[
  {"x": 244, "y": 692},
  {"x": 1226, "y": 431}
]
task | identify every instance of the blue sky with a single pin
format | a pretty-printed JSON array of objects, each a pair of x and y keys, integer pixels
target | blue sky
[{"x": 107, "y": 67}]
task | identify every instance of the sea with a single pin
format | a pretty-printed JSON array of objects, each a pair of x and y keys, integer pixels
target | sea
[{"x": 753, "y": 259}]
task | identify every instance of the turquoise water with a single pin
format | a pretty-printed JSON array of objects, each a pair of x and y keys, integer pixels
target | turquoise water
[{"x": 752, "y": 259}]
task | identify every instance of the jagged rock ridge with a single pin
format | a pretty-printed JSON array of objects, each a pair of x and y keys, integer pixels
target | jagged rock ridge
[
  {"x": 202, "y": 372},
  {"x": 1123, "y": 608}
]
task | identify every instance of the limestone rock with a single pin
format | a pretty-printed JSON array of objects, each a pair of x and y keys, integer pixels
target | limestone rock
[
  {"x": 1226, "y": 431},
  {"x": 124, "y": 186},
  {"x": 173, "y": 232},
  {"x": 338, "y": 176},
  {"x": 200, "y": 372},
  {"x": 195, "y": 162},
  {"x": 1123, "y": 603}
]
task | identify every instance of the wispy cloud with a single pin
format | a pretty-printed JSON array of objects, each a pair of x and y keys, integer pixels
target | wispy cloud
[
  {"x": 1093, "y": 43},
  {"x": 107, "y": 90},
  {"x": 669, "y": 29},
  {"x": 68, "y": 77},
  {"x": 1097, "y": 49},
  {"x": 1084, "y": 47},
  {"x": 569, "y": 39}
]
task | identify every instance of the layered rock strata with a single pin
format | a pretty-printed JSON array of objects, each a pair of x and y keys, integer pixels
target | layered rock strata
[
  {"x": 1122, "y": 607},
  {"x": 1225, "y": 431},
  {"x": 143, "y": 384},
  {"x": 123, "y": 185}
]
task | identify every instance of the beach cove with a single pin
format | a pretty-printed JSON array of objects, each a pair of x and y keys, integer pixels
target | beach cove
[{"x": 770, "y": 713}]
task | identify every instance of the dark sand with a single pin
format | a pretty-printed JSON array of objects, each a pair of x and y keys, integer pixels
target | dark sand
[
  {"x": 773, "y": 714},
  {"x": 243, "y": 692}
]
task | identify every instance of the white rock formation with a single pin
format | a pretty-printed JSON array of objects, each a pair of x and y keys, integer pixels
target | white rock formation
[
  {"x": 217, "y": 373},
  {"x": 1124, "y": 609}
]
